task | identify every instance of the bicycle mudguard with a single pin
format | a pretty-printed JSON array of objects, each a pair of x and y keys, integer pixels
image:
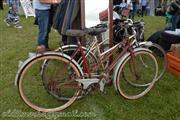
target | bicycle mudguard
[
  {"x": 119, "y": 63},
  {"x": 67, "y": 46},
  {"x": 32, "y": 57},
  {"x": 146, "y": 43}
]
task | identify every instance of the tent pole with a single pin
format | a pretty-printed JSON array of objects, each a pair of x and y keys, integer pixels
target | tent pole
[
  {"x": 82, "y": 7},
  {"x": 82, "y": 14},
  {"x": 110, "y": 19}
]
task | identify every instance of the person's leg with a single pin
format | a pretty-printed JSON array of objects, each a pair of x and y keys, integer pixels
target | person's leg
[
  {"x": 8, "y": 19},
  {"x": 12, "y": 17},
  {"x": 47, "y": 34},
  {"x": 131, "y": 15},
  {"x": 177, "y": 21},
  {"x": 134, "y": 9},
  {"x": 50, "y": 22},
  {"x": 174, "y": 21},
  {"x": 143, "y": 11},
  {"x": 64, "y": 39},
  {"x": 1, "y": 5},
  {"x": 43, "y": 24}
]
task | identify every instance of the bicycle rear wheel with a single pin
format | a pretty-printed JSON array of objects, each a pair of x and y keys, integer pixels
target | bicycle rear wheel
[
  {"x": 131, "y": 72},
  {"x": 161, "y": 58},
  {"x": 63, "y": 73}
]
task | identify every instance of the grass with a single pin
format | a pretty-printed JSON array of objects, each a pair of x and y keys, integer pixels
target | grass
[{"x": 162, "y": 103}]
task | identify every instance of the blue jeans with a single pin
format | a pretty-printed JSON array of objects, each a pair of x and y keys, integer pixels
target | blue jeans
[
  {"x": 44, "y": 26},
  {"x": 134, "y": 9},
  {"x": 175, "y": 20}
]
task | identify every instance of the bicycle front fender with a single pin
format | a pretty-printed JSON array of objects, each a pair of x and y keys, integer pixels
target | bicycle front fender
[{"x": 23, "y": 65}]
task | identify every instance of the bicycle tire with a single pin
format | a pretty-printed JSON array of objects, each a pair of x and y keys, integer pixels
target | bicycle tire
[
  {"x": 30, "y": 81},
  {"x": 160, "y": 56},
  {"x": 121, "y": 78}
]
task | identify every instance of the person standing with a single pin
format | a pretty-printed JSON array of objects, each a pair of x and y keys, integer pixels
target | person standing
[
  {"x": 151, "y": 5},
  {"x": 12, "y": 17},
  {"x": 42, "y": 12},
  {"x": 130, "y": 7},
  {"x": 175, "y": 6},
  {"x": 134, "y": 4},
  {"x": 144, "y": 5}
]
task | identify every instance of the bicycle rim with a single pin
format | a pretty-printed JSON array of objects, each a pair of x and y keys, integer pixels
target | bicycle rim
[
  {"x": 132, "y": 73},
  {"x": 34, "y": 93}
]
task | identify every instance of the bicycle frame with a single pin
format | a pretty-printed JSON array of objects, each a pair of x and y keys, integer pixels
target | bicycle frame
[{"x": 127, "y": 45}]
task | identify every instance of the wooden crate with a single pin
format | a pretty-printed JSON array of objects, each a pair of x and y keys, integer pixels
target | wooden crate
[{"x": 173, "y": 63}]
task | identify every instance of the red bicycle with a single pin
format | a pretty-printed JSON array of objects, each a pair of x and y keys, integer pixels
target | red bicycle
[{"x": 70, "y": 74}]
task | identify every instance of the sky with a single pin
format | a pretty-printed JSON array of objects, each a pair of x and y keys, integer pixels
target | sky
[{"x": 92, "y": 10}]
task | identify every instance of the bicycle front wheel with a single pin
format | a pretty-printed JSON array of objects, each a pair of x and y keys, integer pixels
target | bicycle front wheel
[
  {"x": 131, "y": 72},
  {"x": 62, "y": 77}
]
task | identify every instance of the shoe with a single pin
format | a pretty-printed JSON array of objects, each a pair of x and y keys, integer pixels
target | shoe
[
  {"x": 17, "y": 23},
  {"x": 18, "y": 26},
  {"x": 8, "y": 23},
  {"x": 41, "y": 49}
]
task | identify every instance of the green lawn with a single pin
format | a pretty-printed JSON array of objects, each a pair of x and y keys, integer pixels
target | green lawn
[{"x": 162, "y": 103}]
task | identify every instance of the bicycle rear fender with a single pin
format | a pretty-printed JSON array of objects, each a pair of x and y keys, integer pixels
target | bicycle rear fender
[
  {"x": 72, "y": 46},
  {"x": 119, "y": 63},
  {"x": 23, "y": 65}
]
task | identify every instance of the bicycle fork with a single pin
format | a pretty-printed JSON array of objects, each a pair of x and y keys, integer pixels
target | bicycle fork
[{"x": 133, "y": 66}]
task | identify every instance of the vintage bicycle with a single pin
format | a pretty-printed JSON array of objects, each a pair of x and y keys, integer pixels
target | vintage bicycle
[{"x": 70, "y": 80}]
